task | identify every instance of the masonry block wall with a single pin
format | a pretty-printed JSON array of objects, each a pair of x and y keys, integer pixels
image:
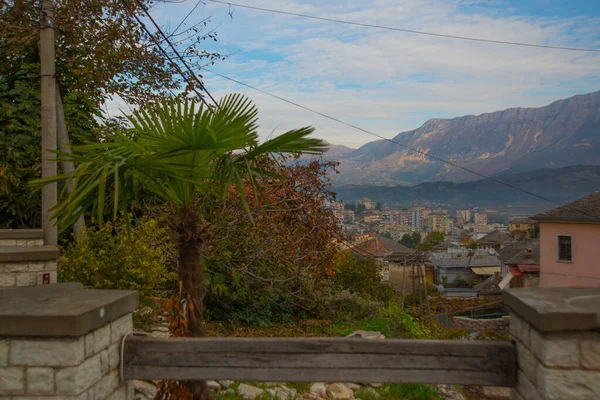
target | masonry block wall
[
  {"x": 82, "y": 367},
  {"x": 558, "y": 343},
  {"x": 24, "y": 260}
]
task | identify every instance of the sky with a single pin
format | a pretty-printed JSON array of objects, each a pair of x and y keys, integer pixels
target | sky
[{"x": 388, "y": 82}]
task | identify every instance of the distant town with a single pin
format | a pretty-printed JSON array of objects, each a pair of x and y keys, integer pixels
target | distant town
[{"x": 367, "y": 215}]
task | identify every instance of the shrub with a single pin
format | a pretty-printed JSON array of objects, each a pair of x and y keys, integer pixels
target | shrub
[
  {"x": 361, "y": 276},
  {"x": 109, "y": 257}
]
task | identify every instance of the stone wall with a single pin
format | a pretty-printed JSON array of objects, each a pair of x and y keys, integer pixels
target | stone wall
[
  {"x": 84, "y": 366},
  {"x": 499, "y": 325},
  {"x": 24, "y": 260},
  {"x": 27, "y": 273},
  {"x": 557, "y": 343}
]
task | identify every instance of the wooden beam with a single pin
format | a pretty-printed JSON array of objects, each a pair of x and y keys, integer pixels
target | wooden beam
[{"x": 491, "y": 363}]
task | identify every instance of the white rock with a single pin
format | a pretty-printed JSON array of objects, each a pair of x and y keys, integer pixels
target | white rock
[
  {"x": 213, "y": 385},
  {"x": 318, "y": 389},
  {"x": 352, "y": 386},
  {"x": 376, "y": 385},
  {"x": 146, "y": 388},
  {"x": 339, "y": 391},
  {"x": 366, "y": 335},
  {"x": 225, "y": 384},
  {"x": 249, "y": 392}
]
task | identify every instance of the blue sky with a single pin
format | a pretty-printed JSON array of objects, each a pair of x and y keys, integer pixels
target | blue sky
[{"x": 389, "y": 82}]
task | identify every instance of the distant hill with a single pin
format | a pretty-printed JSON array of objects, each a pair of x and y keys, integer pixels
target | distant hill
[
  {"x": 560, "y": 185},
  {"x": 566, "y": 132}
]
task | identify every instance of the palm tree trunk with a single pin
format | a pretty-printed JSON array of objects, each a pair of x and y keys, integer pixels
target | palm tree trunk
[{"x": 191, "y": 274}]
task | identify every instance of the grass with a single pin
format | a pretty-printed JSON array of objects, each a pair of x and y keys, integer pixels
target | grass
[{"x": 404, "y": 391}]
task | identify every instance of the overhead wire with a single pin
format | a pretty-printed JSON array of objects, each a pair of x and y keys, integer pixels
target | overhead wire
[
  {"x": 193, "y": 75},
  {"x": 390, "y": 28},
  {"x": 423, "y": 153}
]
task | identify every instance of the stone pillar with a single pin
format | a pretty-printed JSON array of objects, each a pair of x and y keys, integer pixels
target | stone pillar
[
  {"x": 63, "y": 342},
  {"x": 24, "y": 260},
  {"x": 556, "y": 332}
]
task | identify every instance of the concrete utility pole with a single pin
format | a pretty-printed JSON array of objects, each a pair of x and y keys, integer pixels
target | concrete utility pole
[
  {"x": 67, "y": 166},
  {"x": 48, "y": 96}
]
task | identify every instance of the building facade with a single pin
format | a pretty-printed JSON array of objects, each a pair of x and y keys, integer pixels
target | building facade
[
  {"x": 480, "y": 218},
  {"x": 570, "y": 244}
]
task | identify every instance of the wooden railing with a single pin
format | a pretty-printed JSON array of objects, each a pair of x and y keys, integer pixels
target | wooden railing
[{"x": 490, "y": 363}]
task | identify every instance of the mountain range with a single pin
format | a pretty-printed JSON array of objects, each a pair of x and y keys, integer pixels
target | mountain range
[
  {"x": 564, "y": 133},
  {"x": 560, "y": 185}
]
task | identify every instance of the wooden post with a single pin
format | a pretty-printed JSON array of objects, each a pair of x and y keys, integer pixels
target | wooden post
[
  {"x": 48, "y": 114},
  {"x": 66, "y": 166}
]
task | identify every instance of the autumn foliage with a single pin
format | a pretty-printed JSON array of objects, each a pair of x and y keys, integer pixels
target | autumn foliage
[{"x": 264, "y": 260}]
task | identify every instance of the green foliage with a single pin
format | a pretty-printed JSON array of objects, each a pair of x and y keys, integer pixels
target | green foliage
[
  {"x": 109, "y": 257},
  {"x": 416, "y": 238},
  {"x": 361, "y": 276},
  {"x": 431, "y": 240},
  {"x": 20, "y": 141},
  {"x": 350, "y": 206},
  {"x": 405, "y": 391},
  {"x": 378, "y": 206},
  {"x": 360, "y": 208},
  {"x": 407, "y": 241},
  {"x": 445, "y": 279}
]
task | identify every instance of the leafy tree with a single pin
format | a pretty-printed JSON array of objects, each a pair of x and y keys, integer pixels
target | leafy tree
[
  {"x": 360, "y": 208},
  {"x": 416, "y": 238},
  {"x": 350, "y": 206},
  {"x": 187, "y": 156},
  {"x": 407, "y": 241},
  {"x": 360, "y": 275},
  {"x": 378, "y": 206},
  {"x": 431, "y": 240},
  {"x": 101, "y": 49},
  {"x": 268, "y": 270},
  {"x": 20, "y": 141}
]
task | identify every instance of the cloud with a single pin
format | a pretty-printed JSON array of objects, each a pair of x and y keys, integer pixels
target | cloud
[{"x": 389, "y": 81}]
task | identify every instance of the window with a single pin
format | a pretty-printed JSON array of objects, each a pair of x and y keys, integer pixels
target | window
[
  {"x": 565, "y": 248},
  {"x": 517, "y": 225}
]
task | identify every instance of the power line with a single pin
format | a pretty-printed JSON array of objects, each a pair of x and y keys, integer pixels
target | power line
[
  {"x": 423, "y": 153},
  {"x": 163, "y": 51},
  {"x": 389, "y": 28},
  {"x": 172, "y": 47},
  {"x": 177, "y": 53}
]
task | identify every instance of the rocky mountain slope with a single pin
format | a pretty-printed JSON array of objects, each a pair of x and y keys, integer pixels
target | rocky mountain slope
[
  {"x": 566, "y": 132},
  {"x": 560, "y": 185}
]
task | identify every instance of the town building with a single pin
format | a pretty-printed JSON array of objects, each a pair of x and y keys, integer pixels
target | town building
[
  {"x": 461, "y": 266},
  {"x": 438, "y": 222},
  {"x": 522, "y": 228},
  {"x": 368, "y": 203},
  {"x": 570, "y": 243},
  {"x": 497, "y": 239},
  {"x": 371, "y": 217},
  {"x": 349, "y": 215},
  {"x": 480, "y": 218},
  {"x": 405, "y": 217},
  {"x": 520, "y": 264},
  {"x": 463, "y": 215}
]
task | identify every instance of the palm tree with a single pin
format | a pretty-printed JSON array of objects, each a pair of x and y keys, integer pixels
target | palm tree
[{"x": 187, "y": 156}]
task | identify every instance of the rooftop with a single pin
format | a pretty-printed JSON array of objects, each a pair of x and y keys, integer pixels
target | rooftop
[
  {"x": 526, "y": 251},
  {"x": 380, "y": 246},
  {"x": 497, "y": 236},
  {"x": 586, "y": 209}
]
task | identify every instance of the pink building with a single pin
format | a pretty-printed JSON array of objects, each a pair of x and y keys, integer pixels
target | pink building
[{"x": 570, "y": 244}]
